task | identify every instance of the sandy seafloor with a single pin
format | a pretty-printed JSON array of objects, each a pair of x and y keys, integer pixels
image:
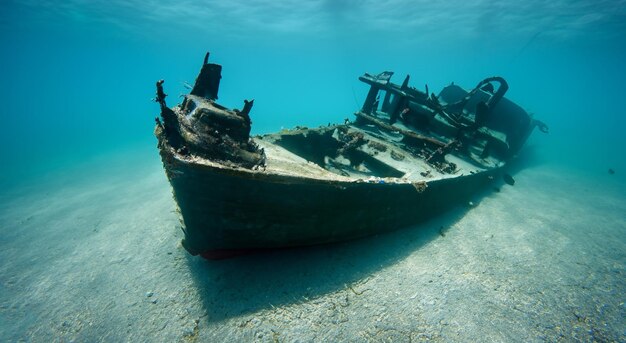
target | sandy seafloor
[{"x": 92, "y": 253}]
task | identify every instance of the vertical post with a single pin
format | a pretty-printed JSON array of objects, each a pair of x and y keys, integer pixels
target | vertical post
[
  {"x": 369, "y": 101},
  {"x": 208, "y": 81},
  {"x": 386, "y": 102}
]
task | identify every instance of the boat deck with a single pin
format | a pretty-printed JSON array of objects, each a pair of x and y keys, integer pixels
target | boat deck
[{"x": 407, "y": 167}]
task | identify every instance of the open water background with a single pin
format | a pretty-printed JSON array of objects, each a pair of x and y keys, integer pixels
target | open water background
[{"x": 77, "y": 77}]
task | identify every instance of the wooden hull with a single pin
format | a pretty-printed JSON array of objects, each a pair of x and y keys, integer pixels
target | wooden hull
[
  {"x": 408, "y": 156},
  {"x": 231, "y": 210}
]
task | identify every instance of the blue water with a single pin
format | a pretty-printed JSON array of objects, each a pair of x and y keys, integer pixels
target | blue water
[{"x": 77, "y": 77}]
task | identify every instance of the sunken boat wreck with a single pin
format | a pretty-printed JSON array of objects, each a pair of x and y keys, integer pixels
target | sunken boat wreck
[{"x": 408, "y": 156}]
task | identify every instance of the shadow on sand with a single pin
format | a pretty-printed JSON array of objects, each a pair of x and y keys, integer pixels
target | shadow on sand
[{"x": 247, "y": 284}]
